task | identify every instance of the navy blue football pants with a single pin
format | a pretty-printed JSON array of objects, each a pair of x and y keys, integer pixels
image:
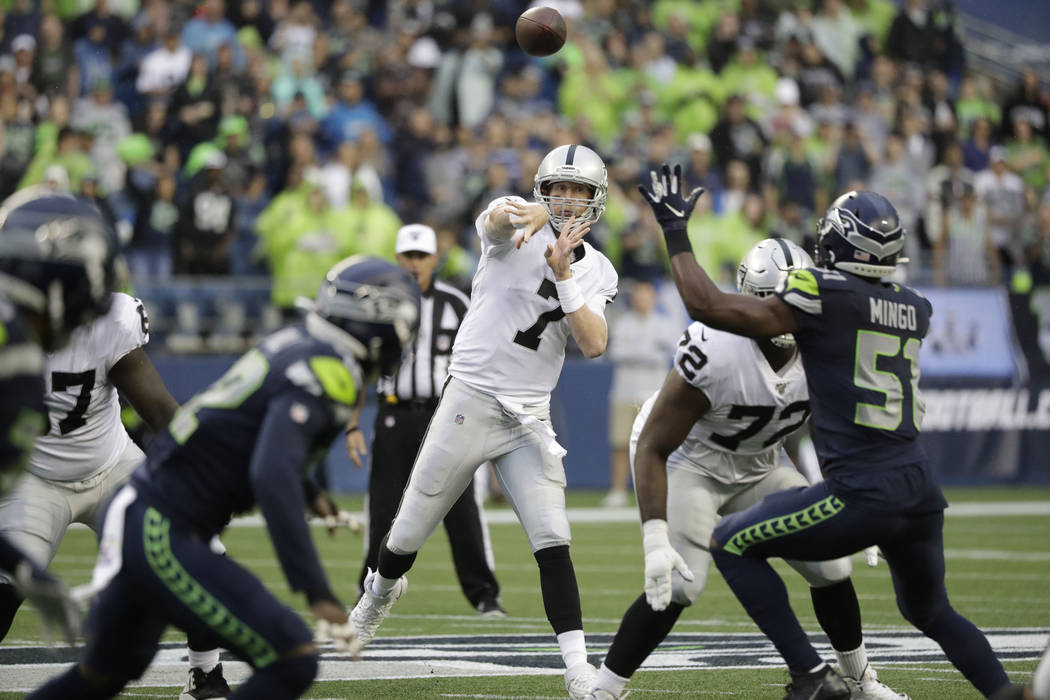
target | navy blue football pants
[
  {"x": 170, "y": 576},
  {"x": 812, "y": 524}
]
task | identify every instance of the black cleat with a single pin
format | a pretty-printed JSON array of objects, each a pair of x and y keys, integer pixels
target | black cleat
[
  {"x": 205, "y": 686},
  {"x": 821, "y": 685},
  {"x": 1012, "y": 691},
  {"x": 491, "y": 609}
]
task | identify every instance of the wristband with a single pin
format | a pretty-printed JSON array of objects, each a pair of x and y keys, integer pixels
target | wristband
[
  {"x": 569, "y": 295},
  {"x": 677, "y": 241},
  {"x": 654, "y": 534},
  {"x": 351, "y": 429}
]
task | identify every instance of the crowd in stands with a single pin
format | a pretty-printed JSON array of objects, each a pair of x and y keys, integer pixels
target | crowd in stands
[{"x": 273, "y": 137}]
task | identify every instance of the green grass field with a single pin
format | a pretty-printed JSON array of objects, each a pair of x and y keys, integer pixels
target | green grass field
[{"x": 998, "y": 576}]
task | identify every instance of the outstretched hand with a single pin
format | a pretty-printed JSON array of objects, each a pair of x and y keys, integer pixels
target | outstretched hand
[
  {"x": 526, "y": 219},
  {"x": 666, "y": 196},
  {"x": 559, "y": 254}
]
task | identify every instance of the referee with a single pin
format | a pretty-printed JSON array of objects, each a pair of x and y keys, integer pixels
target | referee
[{"x": 406, "y": 403}]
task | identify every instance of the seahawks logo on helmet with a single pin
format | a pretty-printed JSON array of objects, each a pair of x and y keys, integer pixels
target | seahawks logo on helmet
[{"x": 861, "y": 233}]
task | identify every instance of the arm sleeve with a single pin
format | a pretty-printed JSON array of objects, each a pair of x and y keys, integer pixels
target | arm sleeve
[
  {"x": 479, "y": 224},
  {"x": 294, "y": 422}
]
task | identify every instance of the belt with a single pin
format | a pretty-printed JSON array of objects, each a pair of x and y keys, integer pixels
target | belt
[{"x": 394, "y": 403}]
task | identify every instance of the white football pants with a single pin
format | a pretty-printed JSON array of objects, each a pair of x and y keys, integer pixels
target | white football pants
[
  {"x": 695, "y": 504},
  {"x": 468, "y": 428},
  {"x": 36, "y": 513}
]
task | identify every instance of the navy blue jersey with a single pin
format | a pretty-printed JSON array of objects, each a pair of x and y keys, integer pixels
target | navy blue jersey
[
  {"x": 22, "y": 412},
  {"x": 860, "y": 347},
  {"x": 247, "y": 439}
]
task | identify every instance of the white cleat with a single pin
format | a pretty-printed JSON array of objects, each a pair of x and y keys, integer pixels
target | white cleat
[
  {"x": 869, "y": 687},
  {"x": 579, "y": 680},
  {"x": 602, "y": 694},
  {"x": 370, "y": 611}
]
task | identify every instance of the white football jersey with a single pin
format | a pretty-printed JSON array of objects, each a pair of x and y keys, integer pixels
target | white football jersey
[
  {"x": 512, "y": 341},
  {"x": 752, "y": 409},
  {"x": 85, "y": 434}
]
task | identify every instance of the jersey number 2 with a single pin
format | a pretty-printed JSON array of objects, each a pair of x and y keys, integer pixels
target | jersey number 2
[
  {"x": 60, "y": 381},
  {"x": 530, "y": 337}
]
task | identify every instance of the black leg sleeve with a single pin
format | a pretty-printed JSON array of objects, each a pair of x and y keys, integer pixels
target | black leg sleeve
[
  {"x": 9, "y": 604},
  {"x": 838, "y": 613},
  {"x": 641, "y": 631},
  {"x": 561, "y": 596}
]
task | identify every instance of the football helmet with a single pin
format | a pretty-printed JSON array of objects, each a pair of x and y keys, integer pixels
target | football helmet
[
  {"x": 861, "y": 233},
  {"x": 57, "y": 259},
  {"x": 764, "y": 266},
  {"x": 374, "y": 305},
  {"x": 572, "y": 163}
]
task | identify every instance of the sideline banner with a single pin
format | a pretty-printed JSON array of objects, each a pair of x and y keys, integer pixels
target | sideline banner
[
  {"x": 988, "y": 435},
  {"x": 971, "y": 335}
]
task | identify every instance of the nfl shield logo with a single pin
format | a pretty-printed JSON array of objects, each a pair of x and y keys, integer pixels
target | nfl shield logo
[
  {"x": 781, "y": 386},
  {"x": 459, "y": 419}
]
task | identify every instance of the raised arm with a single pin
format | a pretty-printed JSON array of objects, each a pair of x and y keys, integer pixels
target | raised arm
[
  {"x": 755, "y": 317},
  {"x": 588, "y": 327}
]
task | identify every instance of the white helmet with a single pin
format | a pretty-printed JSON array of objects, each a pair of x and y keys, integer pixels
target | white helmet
[
  {"x": 765, "y": 265},
  {"x": 572, "y": 163}
]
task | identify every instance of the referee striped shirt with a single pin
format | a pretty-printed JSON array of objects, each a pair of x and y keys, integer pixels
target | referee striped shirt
[{"x": 423, "y": 371}]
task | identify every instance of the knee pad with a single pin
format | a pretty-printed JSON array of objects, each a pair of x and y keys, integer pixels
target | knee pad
[
  {"x": 819, "y": 574},
  {"x": 685, "y": 593}
]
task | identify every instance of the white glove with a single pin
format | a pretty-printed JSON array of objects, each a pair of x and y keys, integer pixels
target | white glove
[
  {"x": 660, "y": 561},
  {"x": 52, "y": 600},
  {"x": 872, "y": 555},
  {"x": 343, "y": 519}
]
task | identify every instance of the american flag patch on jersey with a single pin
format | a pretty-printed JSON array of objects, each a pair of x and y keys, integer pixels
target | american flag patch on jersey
[{"x": 861, "y": 255}]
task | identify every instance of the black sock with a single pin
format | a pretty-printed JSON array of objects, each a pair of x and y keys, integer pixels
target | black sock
[
  {"x": 838, "y": 613},
  {"x": 9, "y": 603},
  {"x": 641, "y": 631},
  {"x": 394, "y": 566},
  {"x": 561, "y": 596}
]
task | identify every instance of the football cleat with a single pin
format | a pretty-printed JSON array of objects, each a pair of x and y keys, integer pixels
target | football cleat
[
  {"x": 579, "y": 680},
  {"x": 869, "y": 687},
  {"x": 491, "y": 609},
  {"x": 821, "y": 685},
  {"x": 370, "y": 611},
  {"x": 602, "y": 694},
  {"x": 201, "y": 685}
]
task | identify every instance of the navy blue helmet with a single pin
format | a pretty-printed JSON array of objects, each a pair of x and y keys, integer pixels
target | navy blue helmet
[
  {"x": 57, "y": 259},
  {"x": 861, "y": 233},
  {"x": 376, "y": 303}
]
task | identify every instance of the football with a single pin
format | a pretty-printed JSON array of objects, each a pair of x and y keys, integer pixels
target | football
[{"x": 540, "y": 31}]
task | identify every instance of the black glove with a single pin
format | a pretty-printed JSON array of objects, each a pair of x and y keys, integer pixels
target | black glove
[
  {"x": 51, "y": 598},
  {"x": 672, "y": 210}
]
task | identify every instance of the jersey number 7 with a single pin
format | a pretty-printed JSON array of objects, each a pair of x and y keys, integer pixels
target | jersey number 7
[
  {"x": 530, "y": 337},
  {"x": 60, "y": 381}
]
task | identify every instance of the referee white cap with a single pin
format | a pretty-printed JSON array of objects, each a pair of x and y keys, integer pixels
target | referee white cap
[{"x": 416, "y": 237}]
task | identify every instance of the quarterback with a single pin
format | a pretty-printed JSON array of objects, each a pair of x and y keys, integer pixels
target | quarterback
[
  {"x": 715, "y": 430},
  {"x": 537, "y": 282}
]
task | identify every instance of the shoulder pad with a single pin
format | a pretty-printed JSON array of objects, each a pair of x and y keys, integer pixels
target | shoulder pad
[{"x": 324, "y": 375}]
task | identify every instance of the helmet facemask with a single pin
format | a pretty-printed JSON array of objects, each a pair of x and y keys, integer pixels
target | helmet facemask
[{"x": 572, "y": 163}]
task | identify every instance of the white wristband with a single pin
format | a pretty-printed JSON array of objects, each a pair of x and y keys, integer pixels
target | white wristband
[
  {"x": 569, "y": 295},
  {"x": 654, "y": 534}
]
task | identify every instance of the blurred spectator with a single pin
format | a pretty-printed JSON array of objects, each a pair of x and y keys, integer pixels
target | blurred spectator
[
  {"x": 475, "y": 91},
  {"x": 1027, "y": 154},
  {"x": 975, "y": 150},
  {"x": 1002, "y": 193},
  {"x": 641, "y": 343},
  {"x": 206, "y": 220},
  {"x": 23, "y": 18},
  {"x": 1038, "y": 253},
  {"x": 66, "y": 152},
  {"x": 294, "y": 35},
  {"x": 975, "y": 102},
  {"x": 911, "y": 37},
  {"x": 195, "y": 107},
  {"x": 894, "y": 177},
  {"x": 837, "y": 34},
  {"x": 345, "y": 168},
  {"x": 738, "y": 137},
  {"x": 107, "y": 122},
  {"x": 1027, "y": 104},
  {"x": 965, "y": 254},
  {"x": 54, "y": 69},
  {"x": 372, "y": 225},
  {"x": 352, "y": 114},
  {"x": 699, "y": 169},
  {"x": 209, "y": 29},
  {"x": 114, "y": 27},
  {"x": 93, "y": 56},
  {"x": 166, "y": 67},
  {"x": 945, "y": 183},
  {"x": 854, "y": 156}
]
